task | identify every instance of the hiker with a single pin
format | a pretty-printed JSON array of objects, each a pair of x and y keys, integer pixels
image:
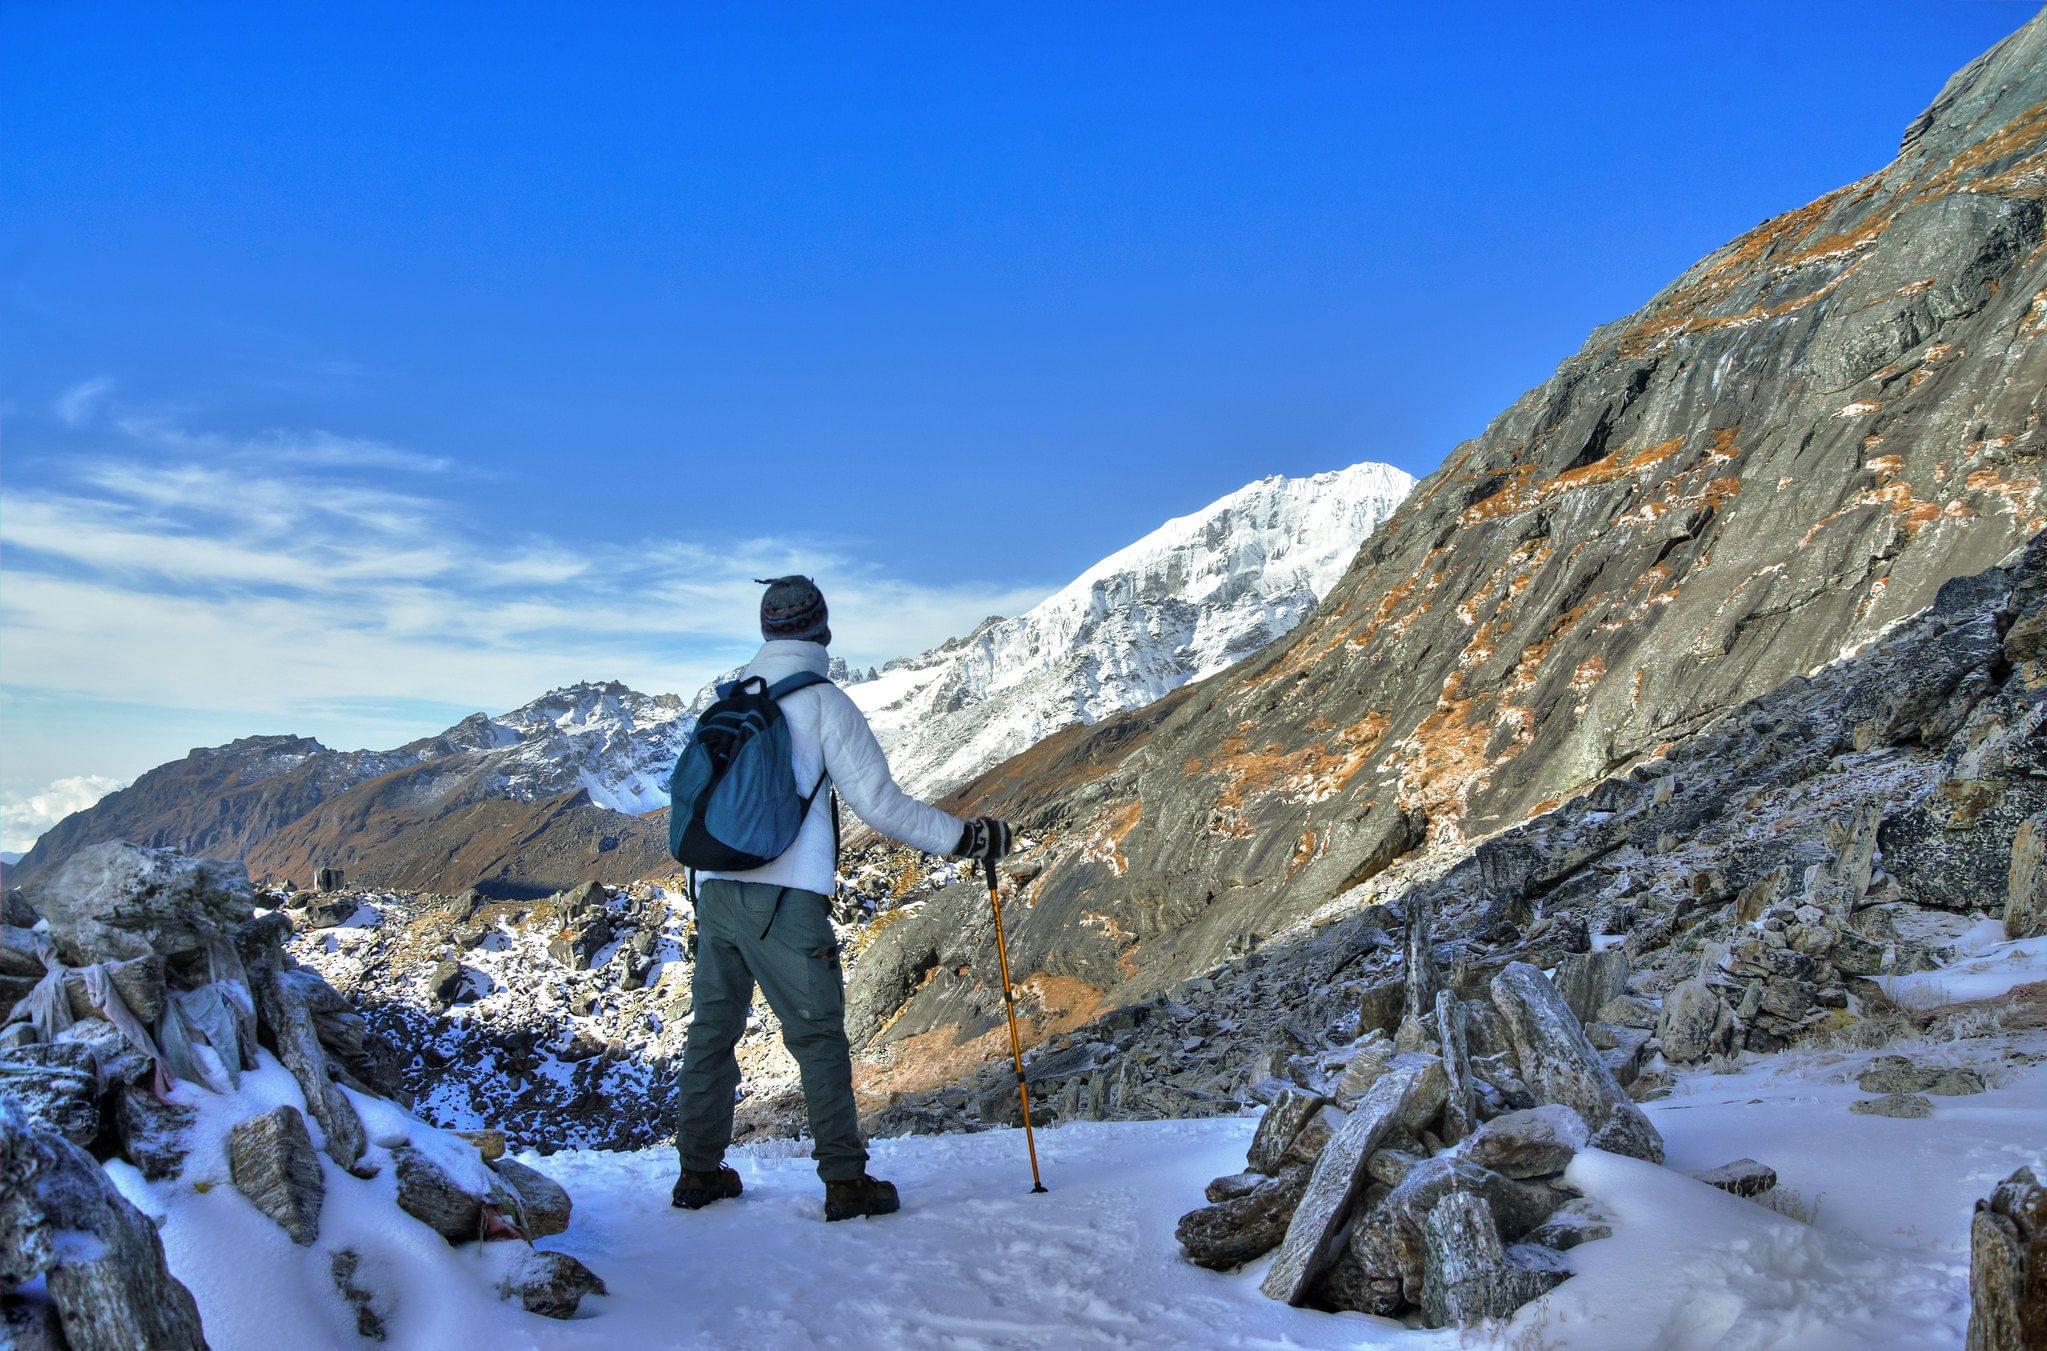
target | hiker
[{"x": 771, "y": 924}]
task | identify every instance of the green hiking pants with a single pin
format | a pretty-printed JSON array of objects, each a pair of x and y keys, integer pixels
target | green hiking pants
[{"x": 780, "y": 937}]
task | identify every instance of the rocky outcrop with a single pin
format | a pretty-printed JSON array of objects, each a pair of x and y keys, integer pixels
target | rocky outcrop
[
  {"x": 182, "y": 987},
  {"x": 98, "y": 1256}
]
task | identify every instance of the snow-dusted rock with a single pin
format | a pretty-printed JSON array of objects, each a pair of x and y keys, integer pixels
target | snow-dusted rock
[
  {"x": 1906, "y": 1105},
  {"x": 119, "y": 900},
  {"x": 1468, "y": 1275},
  {"x": 2008, "y": 1266},
  {"x": 1339, "y": 1175},
  {"x": 1743, "y": 1177},
  {"x": 54, "y": 1083},
  {"x": 1224, "y": 1236},
  {"x": 1559, "y": 1064},
  {"x": 551, "y": 1284},
  {"x": 271, "y": 1160},
  {"x": 283, "y": 1010},
  {"x": 543, "y": 1203},
  {"x": 99, "y": 1257},
  {"x": 1534, "y": 1142}
]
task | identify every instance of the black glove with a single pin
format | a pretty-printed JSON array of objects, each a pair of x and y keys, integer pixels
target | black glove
[{"x": 984, "y": 838}]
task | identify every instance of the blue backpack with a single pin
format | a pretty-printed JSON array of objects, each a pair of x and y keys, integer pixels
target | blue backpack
[{"x": 733, "y": 804}]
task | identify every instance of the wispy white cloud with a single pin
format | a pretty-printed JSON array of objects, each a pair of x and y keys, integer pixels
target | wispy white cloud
[
  {"x": 147, "y": 576},
  {"x": 76, "y": 404},
  {"x": 23, "y": 816}
]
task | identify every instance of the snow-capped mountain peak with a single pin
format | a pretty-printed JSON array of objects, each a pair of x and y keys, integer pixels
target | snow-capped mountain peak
[{"x": 1202, "y": 591}]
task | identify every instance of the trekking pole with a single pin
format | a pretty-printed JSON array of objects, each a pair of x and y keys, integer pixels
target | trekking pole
[{"x": 1023, "y": 1091}]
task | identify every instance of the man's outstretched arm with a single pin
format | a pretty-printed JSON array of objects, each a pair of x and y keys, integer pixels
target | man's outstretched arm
[{"x": 860, "y": 772}]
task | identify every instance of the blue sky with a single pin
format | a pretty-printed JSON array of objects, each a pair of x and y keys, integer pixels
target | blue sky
[{"x": 361, "y": 370}]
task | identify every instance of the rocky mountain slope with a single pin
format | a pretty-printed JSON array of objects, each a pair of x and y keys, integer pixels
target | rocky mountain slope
[
  {"x": 1201, "y": 592},
  {"x": 1778, "y": 458}
]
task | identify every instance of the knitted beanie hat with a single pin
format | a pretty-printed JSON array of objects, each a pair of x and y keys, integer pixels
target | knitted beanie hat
[{"x": 794, "y": 608}]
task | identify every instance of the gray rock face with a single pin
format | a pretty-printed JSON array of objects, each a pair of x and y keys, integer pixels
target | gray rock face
[
  {"x": 1743, "y": 1177},
  {"x": 1460, "y": 1096},
  {"x": 119, "y": 900},
  {"x": 2008, "y": 1267},
  {"x": 1696, "y": 1024},
  {"x": 1536, "y": 1142},
  {"x": 1469, "y": 1276},
  {"x": 271, "y": 1159},
  {"x": 551, "y": 1284},
  {"x": 55, "y": 1085},
  {"x": 1388, "y": 1243},
  {"x": 1909, "y": 1105},
  {"x": 1559, "y": 1065},
  {"x": 1338, "y": 1176},
  {"x": 1224, "y": 1236},
  {"x": 543, "y": 1203},
  {"x": 61, "y": 1219},
  {"x": 1282, "y": 1121},
  {"x": 152, "y": 1133},
  {"x": 1587, "y": 980}
]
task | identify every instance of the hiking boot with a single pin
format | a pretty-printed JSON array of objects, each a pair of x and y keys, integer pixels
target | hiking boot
[
  {"x": 858, "y": 1196},
  {"x": 694, "y": 1190}
]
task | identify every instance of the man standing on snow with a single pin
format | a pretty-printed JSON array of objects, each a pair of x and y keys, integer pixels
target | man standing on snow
[{"x": 772, "y": 925}]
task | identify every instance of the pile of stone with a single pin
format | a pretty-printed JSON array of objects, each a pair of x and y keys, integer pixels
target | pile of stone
[
  {"x": 138, "y": 979},
  {"x": 1423, "y": 1172},
  {"x": 559, "y": 1018}
]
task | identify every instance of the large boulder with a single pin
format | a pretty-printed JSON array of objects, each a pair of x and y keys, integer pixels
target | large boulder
[
  {"x": 1388, "y": 1243},
  {"x": 1469, "y": 1276},
  {"x": 1224, "y": 1236},
  {"x": 119, "y": 900},
  {"x": 2025, "y": 905},
  {"x": 99, "y": 1257},
  {"x": 1588, "y": 980},
  {"x": 1534, "y": 1142},
  {"x": 271, "y": 1160},
  {"x": 1558, "y": 1064},
  {"x": 295, "y": 1036},
  {"x": 1314, "y": 1232},
  {"x": 1290, "y": 1111},
  {"x": 1696, "y": 1024}
]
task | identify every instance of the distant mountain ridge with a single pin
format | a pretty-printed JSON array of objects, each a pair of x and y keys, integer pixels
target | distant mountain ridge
[{"x": 572, "y": 786}]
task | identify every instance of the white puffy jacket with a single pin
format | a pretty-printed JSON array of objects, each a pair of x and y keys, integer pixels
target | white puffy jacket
[{"x": 827, "y": 731}]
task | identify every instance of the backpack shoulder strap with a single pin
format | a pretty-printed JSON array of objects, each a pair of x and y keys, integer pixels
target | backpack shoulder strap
[{"x": 801, "y": 680}]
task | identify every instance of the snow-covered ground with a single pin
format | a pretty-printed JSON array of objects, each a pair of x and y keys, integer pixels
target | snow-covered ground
[{"x": 1878, "y": 1256}]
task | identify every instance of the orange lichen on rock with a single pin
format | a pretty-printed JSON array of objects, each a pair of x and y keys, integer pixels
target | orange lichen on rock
[{"x": 1105, "y": 846}]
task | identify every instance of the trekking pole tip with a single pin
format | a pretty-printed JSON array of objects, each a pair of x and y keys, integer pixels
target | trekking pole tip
[{"x": 1037, "y": 1187}]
